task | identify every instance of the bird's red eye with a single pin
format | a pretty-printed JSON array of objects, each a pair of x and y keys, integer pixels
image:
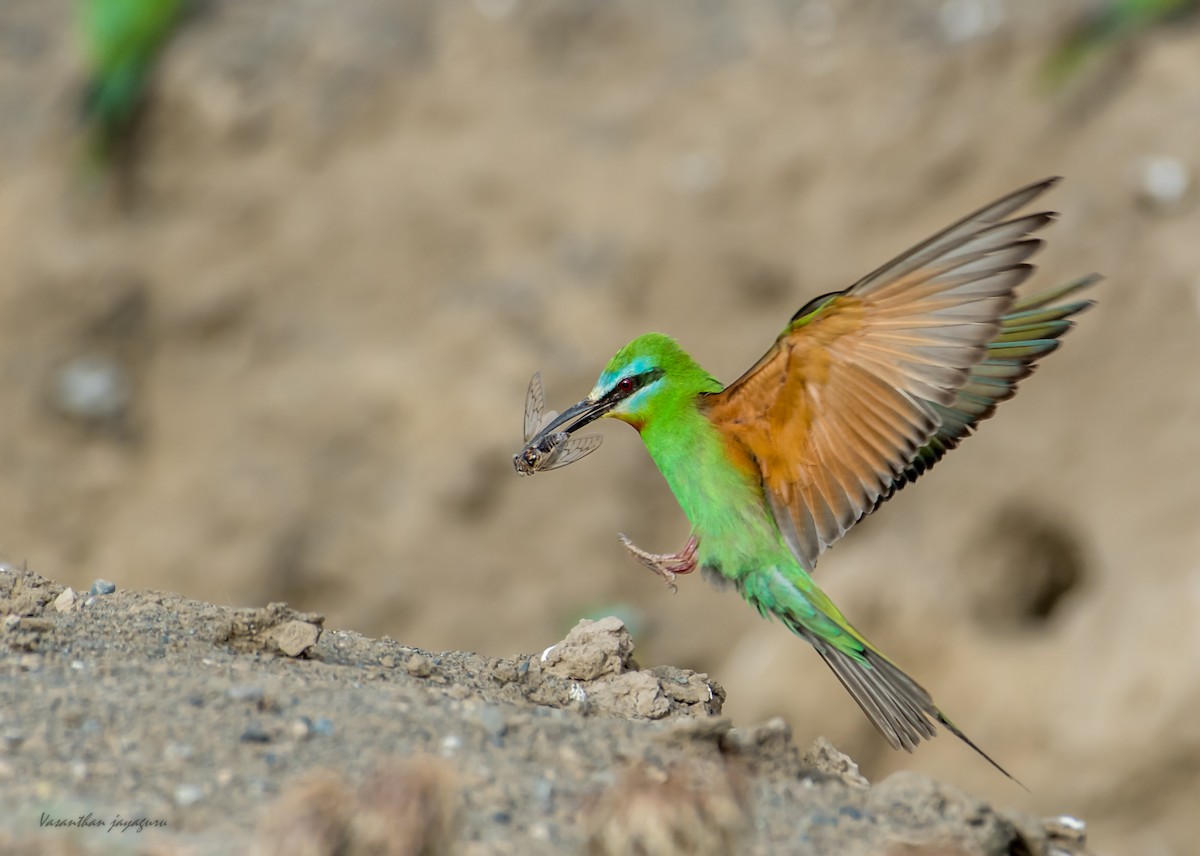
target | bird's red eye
[{"x": 625, "y": 384}]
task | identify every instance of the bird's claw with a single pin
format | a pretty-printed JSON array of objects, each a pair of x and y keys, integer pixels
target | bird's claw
[{"x": 666, "y": 565}]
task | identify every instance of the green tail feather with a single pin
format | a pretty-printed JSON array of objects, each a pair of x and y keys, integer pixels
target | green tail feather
[{"x": 898, "y": 706}]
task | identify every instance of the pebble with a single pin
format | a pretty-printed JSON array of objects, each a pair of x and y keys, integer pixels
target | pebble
[
  {"x": 295, "y": 637},
  {"x": 13, "y": 738},
  {"x": 255, "y": 734},
  {"x": 93, "y": 387},
  {"x": 451, "y": 743},
  {"x": 12, "y": 621},
  {"x": 178, "y": 752},
  {"x": 301, "y": 728},
  {"x": 79, "y": 770},
  {"x": 102, "y": 587},
  {"x": 1066, "y": 828},
  {"x": 419, "y": 666},
  {"x": 323, "y": 726},
  {"x": 246, "y": 692},
  {"x": 1165, "y": 181},
  {"x": 65, "y": 602},
  {"x": 187, "y": 795},
  {"x": 494, "y": 722},
  {"x": 543, "y": 795}
]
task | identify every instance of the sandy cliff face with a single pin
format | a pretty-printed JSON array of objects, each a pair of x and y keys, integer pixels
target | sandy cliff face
[{"x": 355, "y": 233}]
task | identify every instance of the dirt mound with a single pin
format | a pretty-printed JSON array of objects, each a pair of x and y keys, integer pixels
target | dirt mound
[{"x": 186, "y": 727}]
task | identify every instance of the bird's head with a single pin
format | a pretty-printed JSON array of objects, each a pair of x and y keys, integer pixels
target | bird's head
[{"x": 647, "y": 378}]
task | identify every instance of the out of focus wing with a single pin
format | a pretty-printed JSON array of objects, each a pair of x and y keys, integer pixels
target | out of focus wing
[
  {"x": 535, "y": 403},
  {"x": 571, "y": 451},
  {"x": 835, "y": 412}
]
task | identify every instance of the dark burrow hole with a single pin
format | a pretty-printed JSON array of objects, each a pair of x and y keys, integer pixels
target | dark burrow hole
[{"x": 1019, "y": 569}]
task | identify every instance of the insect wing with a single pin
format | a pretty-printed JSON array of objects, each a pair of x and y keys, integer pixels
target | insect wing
[
  {"x": 571, "y": 451},
  {"x": 535, "y": 403}
]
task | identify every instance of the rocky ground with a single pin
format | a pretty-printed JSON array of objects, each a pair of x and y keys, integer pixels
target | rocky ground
[
  {"x": 287, "y": 361},
  {"x": 146, "y": 722}
]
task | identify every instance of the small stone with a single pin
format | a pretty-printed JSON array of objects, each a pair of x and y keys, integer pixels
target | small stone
[
  {"x": 387, "y": 661},
  {"x": 1065, "y": 828},
  {"x": 255, "y": 734},
  {"x": 419, "y": 666},
  {"x": 1165, "y": 182},
  {"x": 824, "y": 757},
  {"x": 178, "y": 752},
  {"x": 451, "y": 743},
  {"x": 246, "y": 692},
  {"x": 79, "y": 770},
  {"x": 187, "y": 795},
  {"x": 65, "y": 602},
  {"x": 13, "y": 738},
  {"x": 543, "y": 794},
  {"x": 494, "y": 722},
  {"x": 102, "y": 587},
  {"x": 12, "y": 621},
  {"x": 93, "y": 388},
  {"x": 301, "y": 728},
  {"x": 323, "y": 726},
  {"x": 294, "y": 637}
]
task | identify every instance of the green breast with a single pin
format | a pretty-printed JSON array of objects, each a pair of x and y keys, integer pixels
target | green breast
[{"x": 725, "y": 506}]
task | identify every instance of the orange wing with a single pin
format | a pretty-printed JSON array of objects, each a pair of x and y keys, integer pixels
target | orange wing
[{"x": 838, "y": 408}]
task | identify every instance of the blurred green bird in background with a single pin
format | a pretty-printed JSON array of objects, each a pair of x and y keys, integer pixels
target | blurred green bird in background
[
  {"x": 1109, "y": 25},
  {"x": 122, "y": 40}
]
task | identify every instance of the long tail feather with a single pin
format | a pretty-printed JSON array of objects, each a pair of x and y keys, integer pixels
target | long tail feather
[{"x": 898, "y": 706}]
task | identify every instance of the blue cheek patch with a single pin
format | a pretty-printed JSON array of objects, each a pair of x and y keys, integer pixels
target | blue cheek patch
[{"x": 609, "y": 379}]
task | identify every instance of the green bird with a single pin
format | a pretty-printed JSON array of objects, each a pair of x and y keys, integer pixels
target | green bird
[
  {"x": 1102, "y": 28},
  {"x": 122, "y": 40},
  {"x": 863, "y": 391}
]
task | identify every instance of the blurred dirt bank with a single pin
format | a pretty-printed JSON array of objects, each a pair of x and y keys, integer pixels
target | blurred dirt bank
[{"x": 359, "y": 228}]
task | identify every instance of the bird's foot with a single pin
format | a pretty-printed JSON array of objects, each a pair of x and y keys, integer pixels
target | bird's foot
[{"x": 666, "y": 565}]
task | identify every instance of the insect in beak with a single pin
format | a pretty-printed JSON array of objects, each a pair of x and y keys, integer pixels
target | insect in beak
[{"x": 546, "y": 447}]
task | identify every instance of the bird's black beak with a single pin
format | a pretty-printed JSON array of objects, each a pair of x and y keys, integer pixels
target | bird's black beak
[{"x": 576, "y": 416}]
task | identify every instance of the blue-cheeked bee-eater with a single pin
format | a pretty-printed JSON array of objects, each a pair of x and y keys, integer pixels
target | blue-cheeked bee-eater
[{"x": 863, "y": 392}]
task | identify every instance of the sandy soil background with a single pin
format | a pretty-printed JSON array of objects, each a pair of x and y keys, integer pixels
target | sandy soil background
[{"x": 358, "y": 228}]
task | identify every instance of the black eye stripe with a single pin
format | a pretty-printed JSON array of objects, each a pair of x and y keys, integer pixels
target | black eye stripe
[{"x": 639, "y": 381}]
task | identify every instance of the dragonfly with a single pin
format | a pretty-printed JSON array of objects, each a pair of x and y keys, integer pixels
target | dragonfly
[{"x": 547, "y": 451}]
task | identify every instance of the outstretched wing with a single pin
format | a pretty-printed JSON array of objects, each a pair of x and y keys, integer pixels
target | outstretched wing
[
  {"x": 860, "y": 382},
  {"x": 1030, "y": 331}
]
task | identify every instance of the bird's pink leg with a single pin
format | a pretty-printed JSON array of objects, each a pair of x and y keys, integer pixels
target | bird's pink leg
[{"x": 666, "y": 565}]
